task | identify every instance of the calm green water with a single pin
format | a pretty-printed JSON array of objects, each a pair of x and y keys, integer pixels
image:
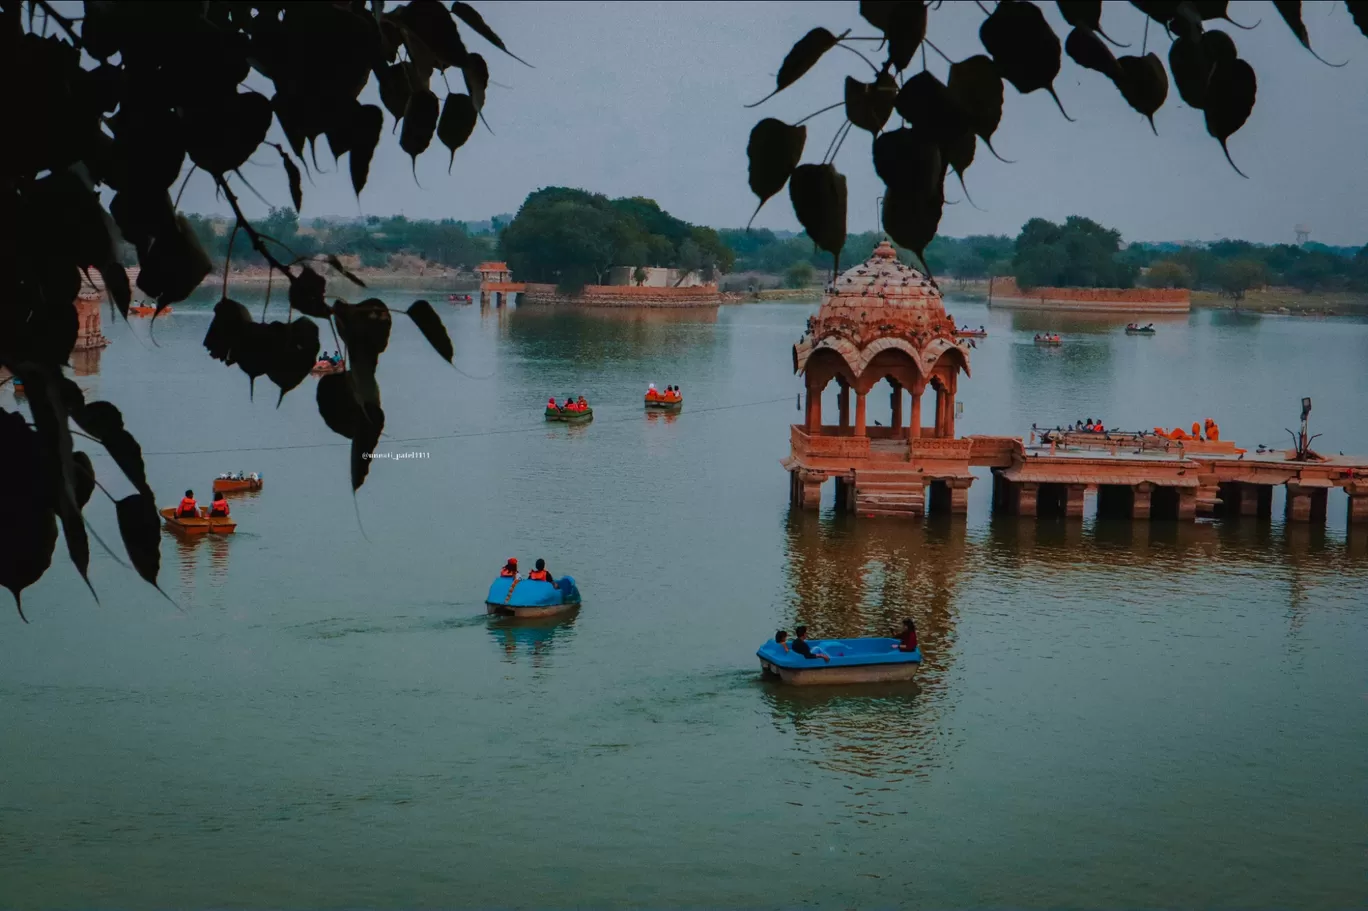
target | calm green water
[{"x": 1110, "y": 715}]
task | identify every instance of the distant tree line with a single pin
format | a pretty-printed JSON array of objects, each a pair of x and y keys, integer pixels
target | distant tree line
[
  {"x": 1233, "y": 267},
  {"x": 572, "y": 238},
  {"x": 795, "y": 256},
  {"x": 375, "y": 240}
]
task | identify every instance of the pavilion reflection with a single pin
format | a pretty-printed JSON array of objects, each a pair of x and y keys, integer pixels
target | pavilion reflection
[
  {"x": 531, "y": 638},
  {"x": 86, "y": 362}
]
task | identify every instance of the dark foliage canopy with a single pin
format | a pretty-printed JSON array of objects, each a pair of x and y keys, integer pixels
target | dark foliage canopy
[
  {"x": 131, "y": 97},
  {"x": 942, "y": 121}
]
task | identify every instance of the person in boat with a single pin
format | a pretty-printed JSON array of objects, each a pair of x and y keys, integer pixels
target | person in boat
[
  {"x": 541, "y": 573},
  {"x": 551, "y": 404},
  {"x": 569, "y": 404},
  {"x": 219, "y": 507},
  {"x": 804, "y": 648},
  {"x": 510, "y": 569},
  {"x": 582, "y": 404},
  {"x": 651, "y": 394},
  {"x": 188, "y": 508},
  {"x": 781, "y": 639},
  {"x": 907, "y": 639}
]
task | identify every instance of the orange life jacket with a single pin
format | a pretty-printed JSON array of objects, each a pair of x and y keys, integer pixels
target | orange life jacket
[
  {"x": 652, "y": 394},
  {"x": 539, "y": 575},
  {"x": 188, "y": 505},
  {"x": 551, "y": 403},
  {"x": 507, "y": 573},
  {"x": 1196, "y": 429},
  {"x": 219, "y": 508},
  {"x": 1213, "y": 432}
]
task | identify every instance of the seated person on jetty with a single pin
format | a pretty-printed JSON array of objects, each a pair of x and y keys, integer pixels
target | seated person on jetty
[
  {"x": 219, "y": 508},
  {"x": 541, "y": 573},
  {"x": 510, "y": 569},
  {"x": 188, "y": 508},
  {"x": 802, "y": 647}
]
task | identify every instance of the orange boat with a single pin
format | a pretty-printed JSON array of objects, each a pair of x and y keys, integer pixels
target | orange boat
[
  {"x": 236, "y": 485},
  {"x": 323, "y": 368},
  {"x": 146, "y": 311},
  {"x": 664, "y": 403},
  {"x": 198, "y": 525}
]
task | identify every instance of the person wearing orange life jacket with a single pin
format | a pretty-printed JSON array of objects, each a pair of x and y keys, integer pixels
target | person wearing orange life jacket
[
  {"x": 1213, "y": 430},
  {"x": 652, "y": 394},
  {"x": 551, "y": 404},
  {"x": 188, "y": 507},
  {"x": 582, "y": 404},
  {"x": 510, "y": 569},
  {"x": 1196, "y": 430},
  {"x": 541, "y": 573},
  {"x": 219, "y": 507}
]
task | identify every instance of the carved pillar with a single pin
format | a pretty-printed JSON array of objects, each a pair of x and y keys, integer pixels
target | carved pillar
[
  {"x": 1027, "y": 492},
  {"x": 813, "y": 417},
  {"x": 915, "y": 419},
  {"x": 808, "y": 488},
  {"x": 959, "y": 495},
  {"x": 948, "y": 426},
  {"x": 1140, "y": 501},
  {"x": 843, "y": 403},
  {"x": 895, "y": 400},
  {"x": 1073, "y": 500},
  {"x": 859, "y": 414}
]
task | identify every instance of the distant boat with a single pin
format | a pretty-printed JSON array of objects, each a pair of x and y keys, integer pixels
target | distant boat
[
  {"x": 972, "y": 333},
  {"x": 570, "y": 417},
  {"x": 661, "y": 403},
  {"x": 234, "y": 485},
  {"x": 326, "y": 367},
  {"x": 1049, "y": 341},
  {"x": 870, "y": 660},
  {"x": 1140, "y": 330},
  {"x": 147, "y": 310}
]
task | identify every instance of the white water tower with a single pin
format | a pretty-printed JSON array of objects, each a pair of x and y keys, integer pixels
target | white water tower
[{"x": 1303, "y": 233}]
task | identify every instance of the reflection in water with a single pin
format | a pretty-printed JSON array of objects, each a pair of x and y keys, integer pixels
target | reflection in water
[
  {"x": 1065, "y": 321},
  {"x": 187, "y": 549},
  {"x": 218, "y": 560},
  {"x": 533, "y": 636},
  {"x": 668, "y": 417},
  {"x": 87, "y": 362}
]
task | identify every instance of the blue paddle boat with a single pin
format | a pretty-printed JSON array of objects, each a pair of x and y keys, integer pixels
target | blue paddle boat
[
  {"x": 874, "y": 660},
  {"x": 531, "y": 598}
]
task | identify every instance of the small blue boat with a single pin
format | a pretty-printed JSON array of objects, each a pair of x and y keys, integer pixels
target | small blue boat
[
  {"x": 531, "y": 598},
  {"x": 873, "y": 660}
]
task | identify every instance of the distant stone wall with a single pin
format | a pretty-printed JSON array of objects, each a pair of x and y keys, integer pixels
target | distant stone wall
[
  {"x": 623, "y": 296},
  {"x": 1007, "y": 294}
]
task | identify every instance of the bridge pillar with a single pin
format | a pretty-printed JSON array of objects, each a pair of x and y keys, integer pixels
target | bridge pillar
[
  {"x": 1026, "y": 494},
  {"x": 1187, "y": 503},
  {"x": 1358, "y": 503},
  {"x": 1141, "y": 500},
  {"x": 1073, "y": 500},
  {"x": 805, "y": 488},
  {"x": 1305, "y": 504}
]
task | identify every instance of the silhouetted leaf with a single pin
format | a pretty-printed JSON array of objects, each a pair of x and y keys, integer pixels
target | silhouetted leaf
[
  {"x": 226, "y": 328},
  {"x": 140, "y": 528},
  {"x": 307, "y": 290},
  {"x": 1290, "y": 10},
  {"x": 1143, "y": 84},
  {"x": 929, "y": 106},
  {"x": 51, "y": 399},
  {"x": 430, "y": 324},
  {"x": 365, "y": 329},
  {"x": 868, "y": 105},
  {"x": 958, "y": 153},
  {"x": 420, "y": 121},
  {"x": 1085, "y": 14},
  {"x": 909, "y": 162},
  {"x": 84, "y": 479},
  {"x": 432, "y": 23},
  {"x": 878, "y": 12},
  {"x": 366, "y": 125},
  {"x": 115, "y": 279},
  {"x": 911, "y": 220},
  {"x": 1088, "y": 51},
  {"x": 476, "y": 74},
  {"x": 221, "y": 136},
  {"x": 394, "y": 89},
  {"x": 292, "y": 351},
  {"x": 30, "y": 524},
  {"x": 905, "y": 28},
  {"x": 174, "y": 266},
  {"x": 1024, "y": 47},
  {"x": 773, "y": 151},
  {"x": 292, "y": 172},
  {"x": 337, "y": 404},
  {"x": 1358, "y": 9},
  {"x": 456, "y": 123},
  {"x": 1229, "y": 101},
  {"x": 367, "y": 437},
  {"x": 1218, "y": 47},
  {"x": 1191, "y": 71},
  {"x": 103, "y": 421},
  {"x": 976, "y": 84},
  {"x": 800, "y": 59},
  {"x": 470, "y": 17},
  {"x": 818, "y": 193}
]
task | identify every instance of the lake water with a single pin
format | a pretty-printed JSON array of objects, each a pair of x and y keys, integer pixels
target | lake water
[{"x": 1118, "y": 715}]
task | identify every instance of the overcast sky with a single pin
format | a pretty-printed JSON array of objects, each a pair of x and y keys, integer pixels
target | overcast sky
[{"x": 646, "y": 98}]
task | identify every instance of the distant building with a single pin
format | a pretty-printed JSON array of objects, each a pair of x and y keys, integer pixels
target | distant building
[{"x": 656, "y": 277}]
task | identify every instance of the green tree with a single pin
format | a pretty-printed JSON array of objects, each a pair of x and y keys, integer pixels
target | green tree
[
  {"x": 1237, "y": 276},
  {"x": 1078, "y": 254},
  {"x": 800, "y": 275},
  {"x": 1165, "y": 273}
]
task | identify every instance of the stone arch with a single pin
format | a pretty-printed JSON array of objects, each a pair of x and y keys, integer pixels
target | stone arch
[
  {"x": 939, "y": 349},
  {"x": 825, "y": 364},
  {"x": 891, "y": 358}
]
